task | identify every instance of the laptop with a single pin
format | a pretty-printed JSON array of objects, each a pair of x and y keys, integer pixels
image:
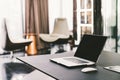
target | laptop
[{"x": 87, "y": 52}]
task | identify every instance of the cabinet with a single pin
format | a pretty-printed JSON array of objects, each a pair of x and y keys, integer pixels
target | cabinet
[{"x": 86, "y": 16}]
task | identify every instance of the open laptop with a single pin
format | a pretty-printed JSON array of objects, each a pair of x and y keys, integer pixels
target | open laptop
[{"x": 87, "y": 52}]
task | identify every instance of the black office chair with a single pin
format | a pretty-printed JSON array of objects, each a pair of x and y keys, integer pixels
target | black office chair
[{"x": 14, "y": 43}]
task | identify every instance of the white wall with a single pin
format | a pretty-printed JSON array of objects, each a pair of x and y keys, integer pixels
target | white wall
[{"x": 60, "y": 8}]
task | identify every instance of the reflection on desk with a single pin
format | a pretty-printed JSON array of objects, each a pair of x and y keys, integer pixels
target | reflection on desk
[
  {"x": 13, "y": 70},
  {"x": 37, "y": 76},
  {"x": 42, "y": 63}
]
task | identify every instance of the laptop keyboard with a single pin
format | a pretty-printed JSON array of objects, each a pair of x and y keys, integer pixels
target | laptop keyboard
[{"x": 74, "y": 60}]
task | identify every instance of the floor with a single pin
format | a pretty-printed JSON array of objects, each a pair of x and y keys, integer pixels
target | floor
[{"x": 12, "y": 69}]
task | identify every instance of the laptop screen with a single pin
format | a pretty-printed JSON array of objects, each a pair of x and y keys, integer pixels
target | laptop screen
[{"x": 90, "y": 47}]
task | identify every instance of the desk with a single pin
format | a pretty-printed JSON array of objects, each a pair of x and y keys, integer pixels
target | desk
[{"x": 43, "y": 64}]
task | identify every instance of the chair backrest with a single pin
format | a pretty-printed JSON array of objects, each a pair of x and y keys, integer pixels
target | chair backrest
[
  {"x": 13, "y": 42},
  {"x": 61, "y": 26},
  {"x": 14, "y": 29},
  {"x": 108, "y": 58},
  {"x": 2, "y": 36}
]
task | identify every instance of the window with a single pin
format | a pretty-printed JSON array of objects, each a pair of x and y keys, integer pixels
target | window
[
  {"x": 109, "y": 20},
  {"x": 84, "y": 18}
]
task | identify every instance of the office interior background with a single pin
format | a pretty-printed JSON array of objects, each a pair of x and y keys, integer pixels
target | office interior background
[{"x": 14, "y": 10}]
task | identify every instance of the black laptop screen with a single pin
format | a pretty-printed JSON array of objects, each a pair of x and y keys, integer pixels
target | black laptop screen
[{"x": 90, "y": 47}]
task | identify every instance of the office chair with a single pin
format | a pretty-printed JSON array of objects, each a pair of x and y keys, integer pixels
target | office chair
[
  {"x": 60, "y": 34},
  {"x": 13, "y": 43}
]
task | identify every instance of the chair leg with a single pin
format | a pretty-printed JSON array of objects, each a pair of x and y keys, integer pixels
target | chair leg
[
  {"x": 12, "y": 57},
  {"x": 60, "y": 48},
  {"x": 11, "y": 54}
]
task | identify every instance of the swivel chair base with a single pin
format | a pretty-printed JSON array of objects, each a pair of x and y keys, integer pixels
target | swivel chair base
[{"x": 60, "y": 49}]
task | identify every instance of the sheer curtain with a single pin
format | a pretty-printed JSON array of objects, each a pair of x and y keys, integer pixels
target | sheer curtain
[{"x": 109, "y": 20}]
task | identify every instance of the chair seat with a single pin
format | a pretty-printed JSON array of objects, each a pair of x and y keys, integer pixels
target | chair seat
[
  {"x": 21, "y": 41},
  {"x": 52, "y": 37},
  {"x": 16, "y": 45}
]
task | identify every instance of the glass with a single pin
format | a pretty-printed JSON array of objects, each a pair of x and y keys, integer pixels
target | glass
[
  {"x": 89, "y": 17},
  {"x": 89, "y": 4},
  {"x": 118, "y": 25},
  {"x": 110, "y": 24},
  {"x": 85, "y": 30},
  {"x": 82, "y": 15},
  {"x": 82, "y": 4}
]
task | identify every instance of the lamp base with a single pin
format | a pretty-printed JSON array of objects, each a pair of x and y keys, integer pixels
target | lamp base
[
  {"x": 32, "y": 48},
  {"x": 60, "y": 49}
]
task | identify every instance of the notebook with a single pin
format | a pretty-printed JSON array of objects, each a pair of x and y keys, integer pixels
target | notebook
[
  {"x": 87, "y": 52},
  {"x": 113, "y": 68}
]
